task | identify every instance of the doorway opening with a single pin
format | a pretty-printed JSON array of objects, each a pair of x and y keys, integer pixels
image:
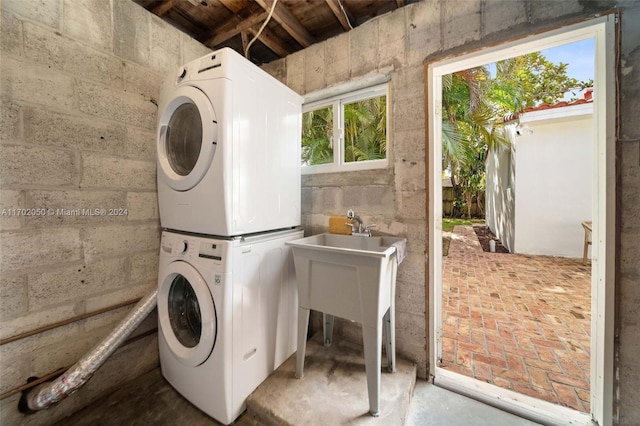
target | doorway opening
[{"x": 595, "y": 401}]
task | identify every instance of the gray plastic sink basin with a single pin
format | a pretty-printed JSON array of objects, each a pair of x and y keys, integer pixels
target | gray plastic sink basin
[{"x": 382, "y": 246}]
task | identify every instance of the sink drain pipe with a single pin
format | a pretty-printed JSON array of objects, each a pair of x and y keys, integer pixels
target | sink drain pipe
[{"x": 46, "y": 394}]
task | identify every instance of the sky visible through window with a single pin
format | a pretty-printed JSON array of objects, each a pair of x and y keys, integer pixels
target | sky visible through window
[{"x": 580, "y": 59}]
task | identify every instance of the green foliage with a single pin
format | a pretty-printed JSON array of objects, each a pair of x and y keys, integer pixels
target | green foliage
[
  {"x": 317, "y": 131},
  {"x": 533, "y": 79},
  {"x": 473, "y": 107},
  {"x": 365, "y": 132}
]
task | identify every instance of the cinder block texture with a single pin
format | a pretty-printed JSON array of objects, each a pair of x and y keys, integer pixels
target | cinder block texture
[
  {"x": 49, "y": 128},
  {"x": 542, "y": 10},
  {"x": 9, "y": 200},
  {"x": 424, "y": 30},
  {"x": 115, "y": 240},
  {"x": 337, "y": 54},
  {"x": 192, "y": 49},
  {"x": 277, "y": 69},
  {"x": 47, "y": 12},
  {"x": 461, "y": 23},
  {"x": 314, "y": 67},
  {"x": 165, "y": 41},
  {"x": 79, "y": 229},
  {"x": 101, "y": 171},
  {"x": 25, "y": 250},
  {"x": 392, "y": 39},
  {"x": 13, "y": 293},
  {"x": 500, "y": 15},
  {"x": 295, "y": 72},
  {"x": 10, "y": 32},
  {"x": 34, "y": 83},
  {"x": 75, "y": 282},
  {"x": 131, "y": 32},
  {"x": 37, "y": 166},
  {"x": 76, "y": 14},
  {"x": 142, "y": 206},
  {"x": 118, "y": 105},
  {"x": 364, "y": 48},
  {"x": 49, "y": 48}
]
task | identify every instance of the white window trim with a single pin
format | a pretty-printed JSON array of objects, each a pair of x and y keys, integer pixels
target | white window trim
[{"x": 338, "y": 102}]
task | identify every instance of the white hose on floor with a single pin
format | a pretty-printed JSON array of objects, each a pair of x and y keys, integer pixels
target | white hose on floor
[{"x": 46, "y": 394}]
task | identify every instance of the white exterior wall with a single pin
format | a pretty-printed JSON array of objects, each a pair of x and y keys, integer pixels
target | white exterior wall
[
  {"x": 554, "y": 181},
  {"x": 499, "y": 208}
]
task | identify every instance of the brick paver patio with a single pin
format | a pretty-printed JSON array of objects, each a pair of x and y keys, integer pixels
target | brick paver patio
[{"x": 517, "y": 321}]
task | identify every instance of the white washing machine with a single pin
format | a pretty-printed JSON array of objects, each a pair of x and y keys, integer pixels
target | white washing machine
[
  {"x": 227, "y": 313},
  {"x": 228, "y": 145}
]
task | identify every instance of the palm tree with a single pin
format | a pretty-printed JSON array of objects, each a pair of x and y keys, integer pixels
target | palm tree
[
  {"x": 317, "y": 131},
  {"x": 365, "y": 130}
]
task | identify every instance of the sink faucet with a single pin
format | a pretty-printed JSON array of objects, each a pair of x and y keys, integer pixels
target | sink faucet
[{"x": 360, "y": 230}]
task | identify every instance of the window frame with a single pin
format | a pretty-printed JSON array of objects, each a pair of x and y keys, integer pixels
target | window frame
[{"x": 338, "y": 102}]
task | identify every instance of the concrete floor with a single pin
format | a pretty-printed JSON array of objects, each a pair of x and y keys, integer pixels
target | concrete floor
[{"x": 150, "y": 400}]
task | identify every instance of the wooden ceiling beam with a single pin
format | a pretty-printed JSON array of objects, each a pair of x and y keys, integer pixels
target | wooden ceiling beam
[
  {"x": 163, "y": 7},
  {"x": 339, "y": 11},
  {"x": 269, "y": 39},
  {"x": 234, "y": 26},
  {"x": 289, "y": 22},
  {"x": 400, "y": 3}
]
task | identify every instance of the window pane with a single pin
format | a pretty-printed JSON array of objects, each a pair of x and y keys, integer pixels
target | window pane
[
  {"x": 365, "y": 130},
  {"x": 317, "y": 131}
]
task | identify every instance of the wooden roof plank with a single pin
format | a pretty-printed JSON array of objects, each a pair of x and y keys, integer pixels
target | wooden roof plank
[
  {"x": 270, "y": 40},
  {"x": 339, "y": 11},
  {"x": 233, "y": 27},
  {"x": 163, "y": 7},
  {"x": 289, "y": 22}
]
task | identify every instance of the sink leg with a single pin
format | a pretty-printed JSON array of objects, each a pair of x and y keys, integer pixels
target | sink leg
[
  {"x": 388, "y": 322},
  {"x": 372, "y": 337},
  {"x": 327, "y": 328},
  {"x": 303, "y": 324}
]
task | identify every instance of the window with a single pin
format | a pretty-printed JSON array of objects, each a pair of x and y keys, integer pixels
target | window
[{"x": 346, "y": 132}]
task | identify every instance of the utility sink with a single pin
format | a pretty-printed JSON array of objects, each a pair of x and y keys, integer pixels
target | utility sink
[{"x": 352, "y": 277}]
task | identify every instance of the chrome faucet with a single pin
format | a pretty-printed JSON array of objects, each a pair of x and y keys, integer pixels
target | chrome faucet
[{"x": 361, "y": 230}]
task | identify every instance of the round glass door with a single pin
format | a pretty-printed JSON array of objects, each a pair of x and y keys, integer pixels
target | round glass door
[
  {"x": 184, "y": 139},
  {"x": 187, "y": 314},
  {"x": 184, "y": 312},
  {"x": 187, "y": 138}
]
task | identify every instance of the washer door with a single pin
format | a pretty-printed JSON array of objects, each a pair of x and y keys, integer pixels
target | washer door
[
  {"x": 187, "y": 314},
  {"x": 187, "y": 138}
]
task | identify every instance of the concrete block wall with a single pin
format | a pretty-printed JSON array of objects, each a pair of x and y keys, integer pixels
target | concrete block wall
[
  {"x": 396, "y": 198},
  {"x": 79, "y": 88}
]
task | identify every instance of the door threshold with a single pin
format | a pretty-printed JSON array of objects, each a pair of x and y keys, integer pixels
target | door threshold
[{"x": 525, "y": 406}]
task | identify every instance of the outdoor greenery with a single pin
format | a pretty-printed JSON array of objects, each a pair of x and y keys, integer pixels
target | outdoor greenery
[
  {"x": 447, "y": 226},
  {"x": 475, "y": 103},
  {"x": 317, "y": 131},
  {"x": 365, "y": 132}
]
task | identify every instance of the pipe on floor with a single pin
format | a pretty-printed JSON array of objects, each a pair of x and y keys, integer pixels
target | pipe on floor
[{"x": 46, "y": 394}]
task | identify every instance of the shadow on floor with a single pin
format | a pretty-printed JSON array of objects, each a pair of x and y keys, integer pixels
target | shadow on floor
[{"x": 150, "y": 400}]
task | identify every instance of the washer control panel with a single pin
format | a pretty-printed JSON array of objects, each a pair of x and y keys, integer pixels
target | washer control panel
[
  {"x": 210, "y": 250},
  {"x": 190, "y": 247}
]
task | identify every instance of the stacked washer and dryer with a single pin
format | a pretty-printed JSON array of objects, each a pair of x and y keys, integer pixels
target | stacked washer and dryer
[{"x": 229, "y": 197}]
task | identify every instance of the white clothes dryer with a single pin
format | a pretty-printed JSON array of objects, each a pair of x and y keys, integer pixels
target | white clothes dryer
[
  {"x": 228, "y": 146},
  {"x": 227, "y": 314}
]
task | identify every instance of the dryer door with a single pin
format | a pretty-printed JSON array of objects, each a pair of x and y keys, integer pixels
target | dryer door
[
  {"x": 187, "y": 138},
  {"x": 186, "y": 313}
]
